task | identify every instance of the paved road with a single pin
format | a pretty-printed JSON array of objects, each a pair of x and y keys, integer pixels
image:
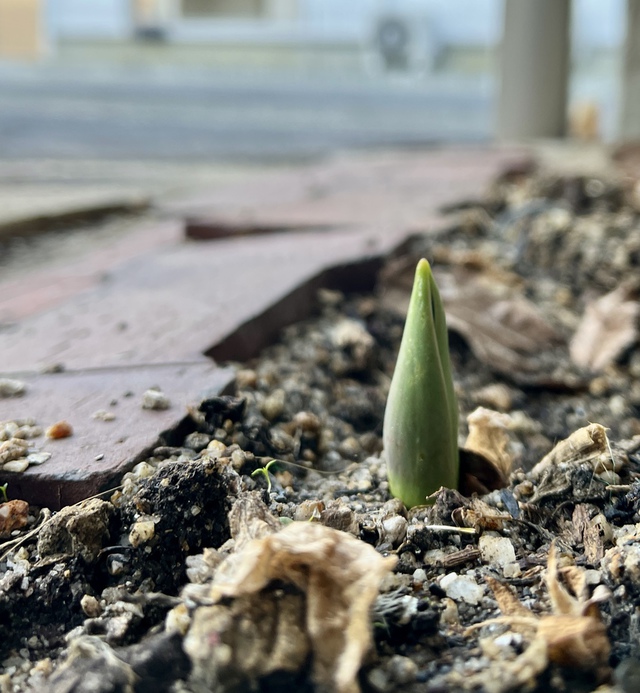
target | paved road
[{"x": 150, "y": 115}]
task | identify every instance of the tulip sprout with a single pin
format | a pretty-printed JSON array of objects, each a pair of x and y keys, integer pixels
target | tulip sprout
[{"x": 420, "y": 432}]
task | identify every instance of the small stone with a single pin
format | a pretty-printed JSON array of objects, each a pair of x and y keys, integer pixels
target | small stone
[
  {"x": 60, "y": 429},
  {"x": 462, "y": 588},
  {"x": 13, "y": 515},
  {"x": 246, "y": 378},
  {"x": 90, "y": 606},
  {"x": 142, "y": 532},
  {"x": 155, "y": 400},
  {"x": 308, "y": 510},
  {"x": 76, "y": 530},
  {"x": 449, "y": 614},
  {"x": 281, "y": 441},
  {"x": 16, "y": 465},
  {"x": 395, "y": 530},
  {"x": 216, "y": 448},
  {"x": 350, "y": 448},
  {"x": 307, "y": 421},
  {"x": 238, "y": 459},
  {"x": 38, "y": 457},
  {"x": 197, "y": 441},
  {"x": 496, "y": 549},
  {"x": 103, "y": 415},
  {"x": 273, "y": 405},
  {"x": 402, "y": 670},
  {"x": 511, "y": 570},
  {"x": 13, "y": 449},
  {"x": 419, "y": 576},
  {"x": 116, "y": 563},
  {"x": 143, "y": 470},
  {"x": 12, "y": 388},
  {"x": 340, "y": 516}
]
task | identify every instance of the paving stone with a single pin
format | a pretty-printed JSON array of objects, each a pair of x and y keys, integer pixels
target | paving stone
[
  {"x": 99, "y": 451},
  {"x": 175, "y": 302},
  {"x": 387, "y": 188}
]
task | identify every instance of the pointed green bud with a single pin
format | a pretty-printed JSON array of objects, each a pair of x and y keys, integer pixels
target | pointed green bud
[{"x": 420, "y": 431}]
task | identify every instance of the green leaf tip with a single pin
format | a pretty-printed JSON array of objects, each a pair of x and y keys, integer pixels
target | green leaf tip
[{"x": 420, "y": 431}]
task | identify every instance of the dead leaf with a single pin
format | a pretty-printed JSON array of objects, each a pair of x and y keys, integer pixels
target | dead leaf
[
  {"x": 608, "y": 327},
  {"x": 339, "y": 577},
  {"x": 485, "y": 460},
  {"x": 588, "y": 527},
  {"x": 587, "y": 444},
  {"x": 480, "y": 516},
  {"x": 574, "y": 634},
  {"x": 508, "y": 601}
]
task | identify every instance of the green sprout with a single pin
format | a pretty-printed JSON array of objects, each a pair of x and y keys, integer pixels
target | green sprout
[
  {"x": 420, "y": 431},
  {"x": 265, "y": 470},
  {"x": 3, "y": 490}
]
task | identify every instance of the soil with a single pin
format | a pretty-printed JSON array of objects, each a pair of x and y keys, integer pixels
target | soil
[{"x": 101, "y": 596}]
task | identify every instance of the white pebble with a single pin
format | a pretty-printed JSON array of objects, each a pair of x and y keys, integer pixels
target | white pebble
[
  {"x": 142, "y": 532},
  {"x": 462, "y": 588},
  {"x": 38, "y": 457},
  {"x": 155, "y": 399},
  {"x": 496, "y": 549},
  {"x": 16, "y": 465},
  {"x": 11, "y": 388}
]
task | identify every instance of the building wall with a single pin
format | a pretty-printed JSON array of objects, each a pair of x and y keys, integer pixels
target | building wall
[
  {"x": 21, "y": 29},
  {"x": 87, "y": 19}
]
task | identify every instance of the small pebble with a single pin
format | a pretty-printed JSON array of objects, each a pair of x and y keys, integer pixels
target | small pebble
[
  {"x": 90, "y": 606},
  {"x": 246, "y": 378},
  {"x": 273, "y": 405},
  {"x": 60, "y": 429},
  {"x": 197, "y": 441},
  {"x": 20, "y": 465},
  {"x": 142, "y": 532},
  {"x": 216, "y": 448},
  {"x": 103, "y": 415},
  {"x": 402, "y": 670},
  {"x": 496, "y": 549},
  {"x": 38, "y": 457},
  {"x": 155, "y": 400},
  {"x": 12, "y": 388},
  {"x": 462, "y": 588}
]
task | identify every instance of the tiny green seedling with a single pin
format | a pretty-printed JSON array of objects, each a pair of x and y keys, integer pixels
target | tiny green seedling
[
  {"x": 3, "y": 490},
  {"x": 420, "y": 430},
  {"x": 265, "y": 470}
]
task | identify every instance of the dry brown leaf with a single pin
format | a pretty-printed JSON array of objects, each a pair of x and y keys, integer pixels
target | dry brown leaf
[
  {"x": 485, "y": 461},
  {"x": 480, "y": 516},
  {"x": 574, "y": 634},
  {"x": 507, "y": 599},
  {"x": 587, "y": 444},
  {"x": 488, "y": 436},
  {"x": 339, "y": 576},
  {"x": 608, "y": 327},
  {"x": 586, "y": 528}
]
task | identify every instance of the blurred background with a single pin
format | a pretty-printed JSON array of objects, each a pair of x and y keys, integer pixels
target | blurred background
[
  {"x": 118, "y": 104},
  {"x": 273, "y": 80}
]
